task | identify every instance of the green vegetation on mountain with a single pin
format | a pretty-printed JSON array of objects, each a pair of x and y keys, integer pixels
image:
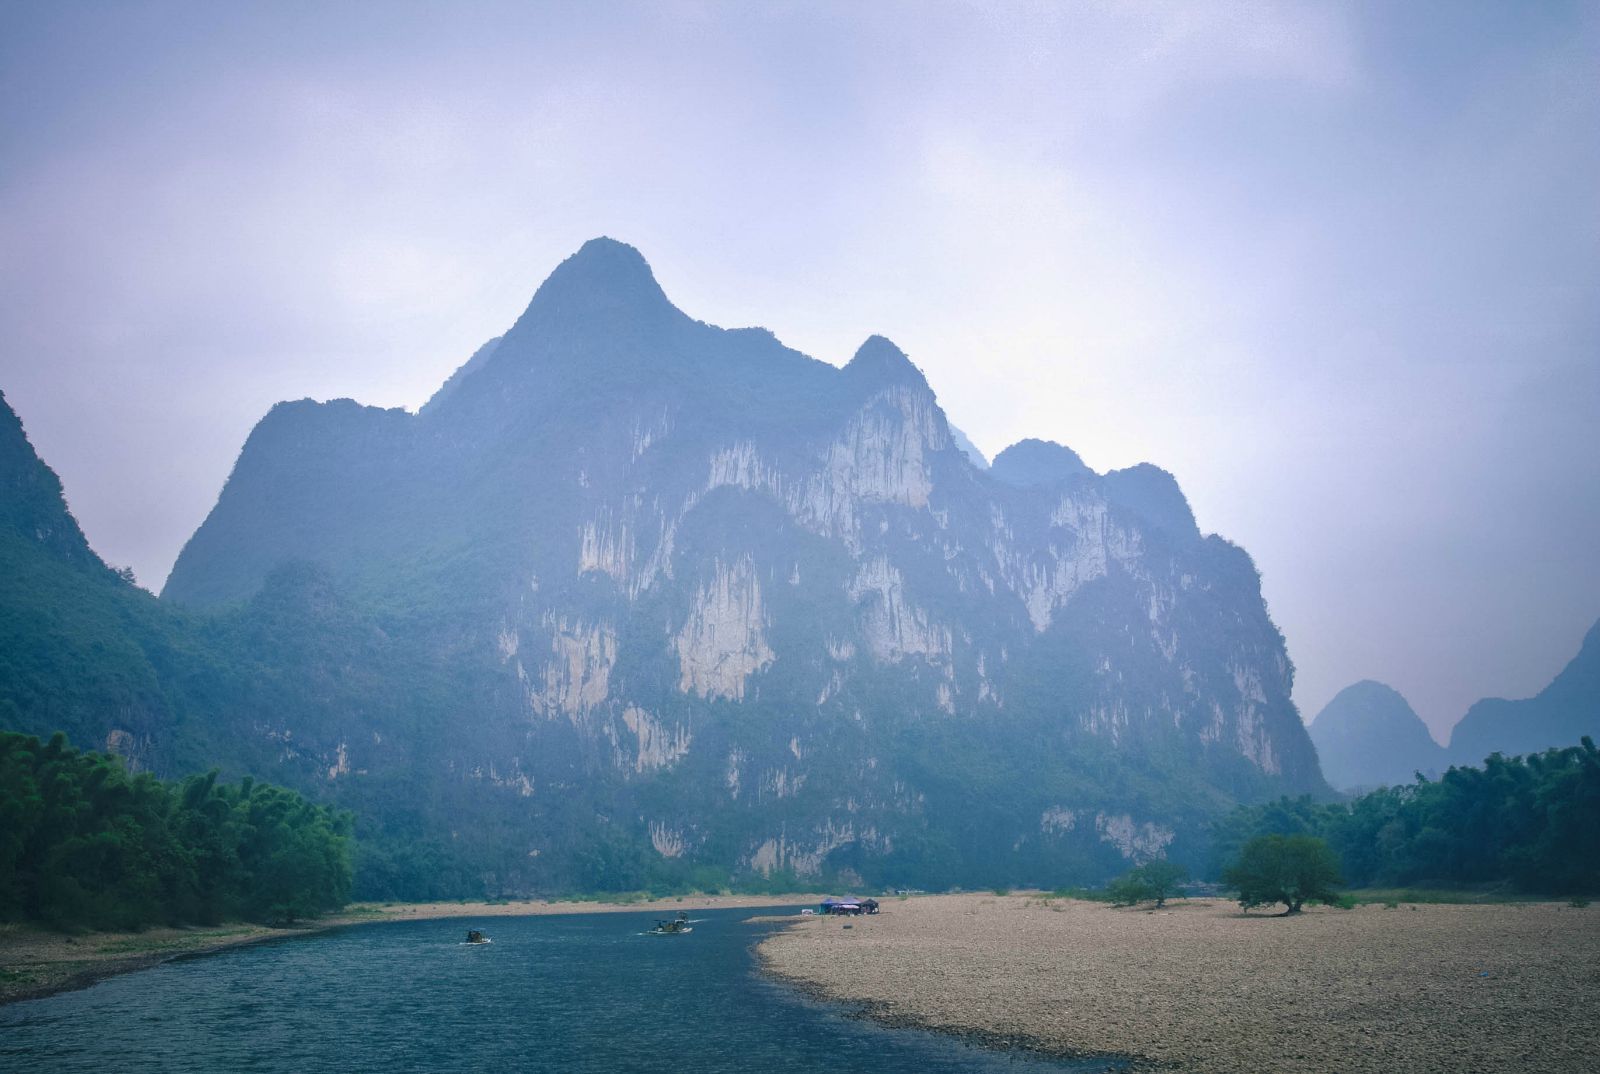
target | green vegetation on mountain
[
  {"x": 32, "y": 508},
  {"x": 1530, "y": 822},
  {"x": 84, "y": 843}
]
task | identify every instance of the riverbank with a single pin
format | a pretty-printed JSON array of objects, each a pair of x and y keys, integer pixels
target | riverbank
[
  {"x": 37, "y": 962},
  {"x": 1202, "y": 987}
]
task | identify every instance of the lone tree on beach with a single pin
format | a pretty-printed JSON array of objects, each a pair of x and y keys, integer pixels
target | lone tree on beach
[
  {"x": 1291, "y": 869},
  {"x": 1158, "y": 880}
]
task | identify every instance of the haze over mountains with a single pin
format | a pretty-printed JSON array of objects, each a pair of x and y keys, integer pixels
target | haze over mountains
[
  {"x": 1369, "y": 736},
  {"x": 634, "y": 596},
  {"x": 636, "y": 599}
]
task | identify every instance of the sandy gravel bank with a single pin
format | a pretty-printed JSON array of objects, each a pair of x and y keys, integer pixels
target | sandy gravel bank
[
  {"x": 36, "y": 962},
  {"x": 1202, "y": 987}
]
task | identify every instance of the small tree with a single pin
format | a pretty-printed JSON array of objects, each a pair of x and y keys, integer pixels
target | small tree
[
  {"x": 1161, "y": 880},
  {"x": 1156, "y": 880},
  {"x": 1125, "y": 890},
  {"x": 1291, "y": 869}
]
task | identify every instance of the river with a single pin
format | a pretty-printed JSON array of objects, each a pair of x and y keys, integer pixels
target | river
[{"x": 571, "y": 994}]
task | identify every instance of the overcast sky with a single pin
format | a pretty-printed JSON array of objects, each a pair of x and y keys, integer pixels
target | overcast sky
[{"x": 1336, "y": 267}]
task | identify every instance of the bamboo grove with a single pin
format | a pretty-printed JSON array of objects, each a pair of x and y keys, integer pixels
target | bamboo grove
[{"x": 85, "y": 843}]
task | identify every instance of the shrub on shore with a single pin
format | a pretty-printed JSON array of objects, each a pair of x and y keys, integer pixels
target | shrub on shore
[
  {"x": 1155, "y": 881},
  {"x": 1291, "y": 869}
]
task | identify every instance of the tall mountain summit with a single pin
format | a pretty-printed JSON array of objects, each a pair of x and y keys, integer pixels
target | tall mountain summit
[{"x": 666, "y": 597}]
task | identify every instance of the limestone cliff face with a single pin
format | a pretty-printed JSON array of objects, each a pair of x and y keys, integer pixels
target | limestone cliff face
[
  {"x": 723, "y": 641},
  {"x": 767, "y": 614}
]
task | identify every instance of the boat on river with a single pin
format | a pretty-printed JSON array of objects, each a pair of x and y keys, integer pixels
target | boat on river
[
  {"x": 475, "y": 936},
  {"x": 678, "y": 926}
]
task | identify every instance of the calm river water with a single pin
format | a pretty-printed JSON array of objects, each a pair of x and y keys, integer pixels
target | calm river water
[{"x": 576, "y": 994}]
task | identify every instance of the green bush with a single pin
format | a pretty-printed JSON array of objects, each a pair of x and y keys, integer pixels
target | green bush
[{"x": 1153, "y": 881}]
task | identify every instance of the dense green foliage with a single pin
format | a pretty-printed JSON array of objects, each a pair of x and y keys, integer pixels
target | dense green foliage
[
  {"x": 1155, "y": 881},
  {"x": 1291, "y": 869},
  {"x": 85, "y": 843},
  {"x": 1532, "y": 822}
]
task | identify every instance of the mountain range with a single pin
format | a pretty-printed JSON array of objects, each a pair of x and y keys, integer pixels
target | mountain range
[
  {"x": 635, "y": 600},
  {"x": 1368, "y": 735}
]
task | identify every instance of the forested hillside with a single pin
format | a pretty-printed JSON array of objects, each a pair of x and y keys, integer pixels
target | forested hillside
[{"x": 85, "y": 843}]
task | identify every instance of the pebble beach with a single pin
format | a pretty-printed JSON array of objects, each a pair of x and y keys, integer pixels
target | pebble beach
[{"x": 1201, "y": 986}]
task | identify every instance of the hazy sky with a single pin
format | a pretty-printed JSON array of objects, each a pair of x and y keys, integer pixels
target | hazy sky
[{"x": 1336, "y": 267}]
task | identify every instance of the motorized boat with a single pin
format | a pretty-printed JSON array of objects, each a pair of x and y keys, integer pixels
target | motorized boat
[
  {"x": 475, "y": 936},
  {"x": 678, "y": 926}
]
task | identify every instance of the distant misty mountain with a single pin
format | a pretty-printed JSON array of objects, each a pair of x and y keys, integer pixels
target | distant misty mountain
[
  {"x": 1368, "y": 736},
  {"x": 1559, "y": 715},
  {"x": 969, "y": 448},
  {"x": 635, "y": 600},
  {"x": 1030, "y": 463}
]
